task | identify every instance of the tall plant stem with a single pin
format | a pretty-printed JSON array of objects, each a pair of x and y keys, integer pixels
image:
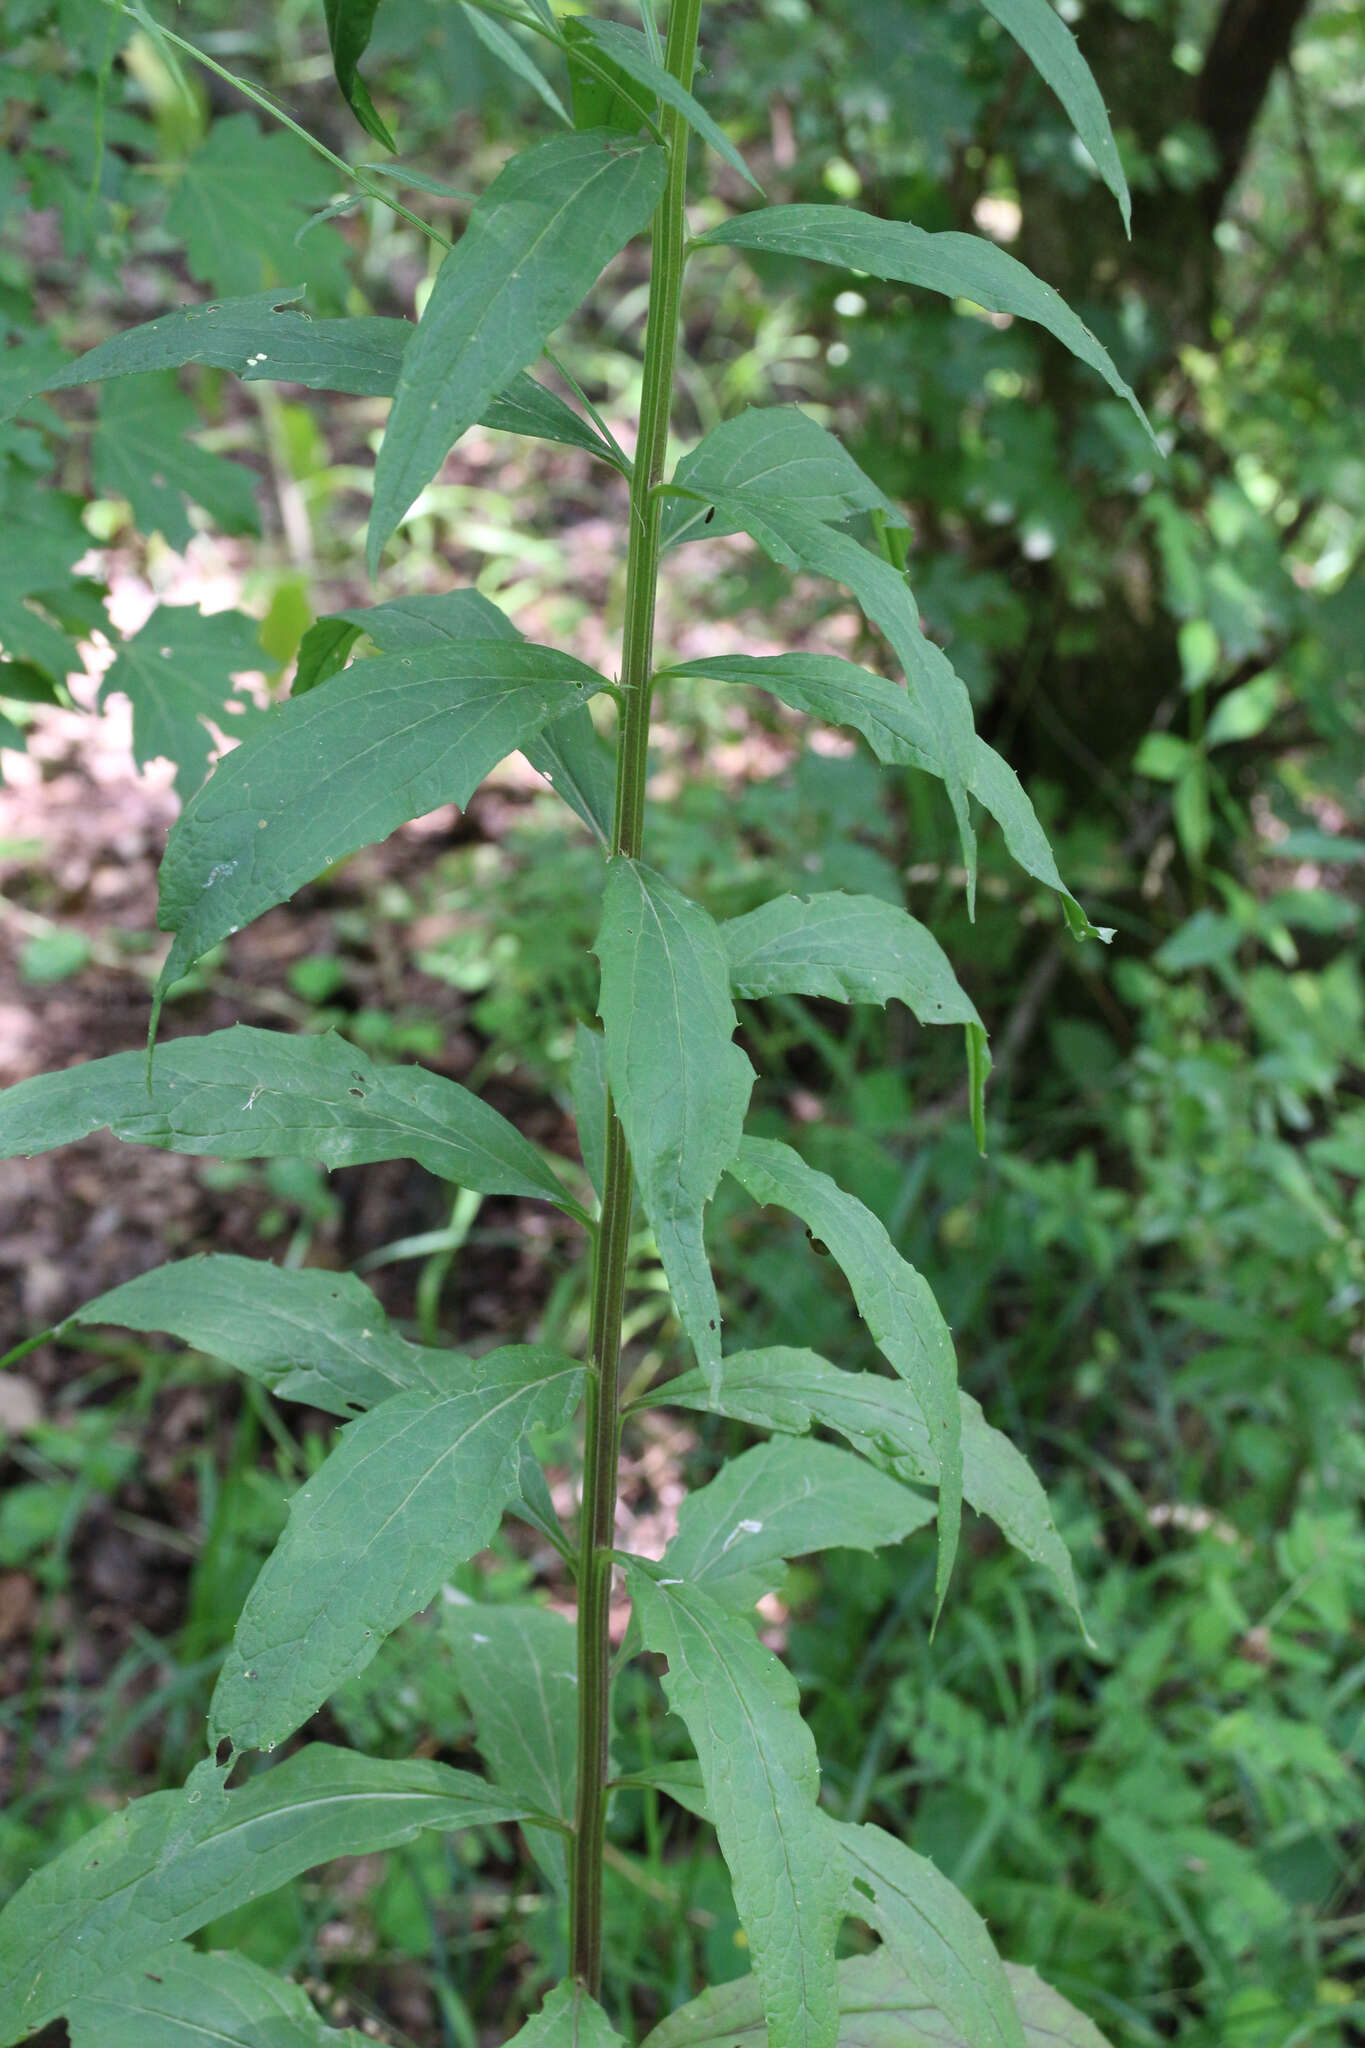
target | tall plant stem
[{"x": 603, "y": 1439}]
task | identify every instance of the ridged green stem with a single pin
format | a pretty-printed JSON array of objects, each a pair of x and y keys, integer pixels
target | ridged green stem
[{"x": 603, "y": 1436}]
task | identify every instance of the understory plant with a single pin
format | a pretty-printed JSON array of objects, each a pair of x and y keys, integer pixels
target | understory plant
[{"x": 852, "y": 1934}]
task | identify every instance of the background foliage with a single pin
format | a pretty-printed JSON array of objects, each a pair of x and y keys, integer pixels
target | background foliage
[{"x": 1155, "y": 1279}]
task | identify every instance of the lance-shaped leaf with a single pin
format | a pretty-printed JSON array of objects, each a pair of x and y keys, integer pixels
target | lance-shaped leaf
[
  {"x": 588, "y": 1085},
  {"x": 533, "y": 247},
  {"x": 679, "y": 1083},
  {"x": 629, "y": 49},
  {"x": 518, "y": 1670},
  {"x": 350, "y": 24},
  {"x": 880, "y": 2006},
  {"x": 344, "y": 766},
  {"x": 1051, "y": 48},
  {"x": 569, "y": 2018},
  {"x": 249, "y": 1094},
  {"x": 855, "y": 949},
  {"x": 182, "y": 1999},
  {"x": 895, "y": 1302},
  {"x": 796, "y": 540},
  {"x": 893, "y": 725},
  {"x": 249, "y": 336},
  {"x": 568, "y": 751},
  {"x": 170, "y": 1863},
  {"x": 959, "y": 266},
  {"x": 762, "y": 1780},
  {"x": 309, "y": 1335},
  {"x": 782, "y": 1500},
  {"x": 776, "y": 450},
  {"x": 786, "y": 1389},
  {"x": 505, "y": 47},
  {"x": 413, "y": 1488},
  {"x": 937, "y": 1937}
]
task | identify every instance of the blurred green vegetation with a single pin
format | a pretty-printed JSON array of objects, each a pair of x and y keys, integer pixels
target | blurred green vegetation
[{"x": 1156, "y": 1278}]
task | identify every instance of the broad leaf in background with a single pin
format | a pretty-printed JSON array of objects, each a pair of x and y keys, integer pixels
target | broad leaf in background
[
  {"x": 344, "y": 766},
  {"x": 182, "y": 1999},
  {"x": 855, "y": 949},
  {"x": 891, "y": 722},
  {"x": 774, "y": 449},
  {"x": 505, "y": 47},
  {"x": 239, "y": 203},
  {"x": 629, "y": 49},
  {"x": 782, "y": 1388},
  {"x": 518, "y": 1670},
  {"x": 533, "y": 248},
  {"x": 249, "y": 1094},
  {"x": 168, "y": 1864},
  {"x": 959, "y": 266},
  {"x": 1050, "y": 46},
  {"x": 568, "y": 2019},
  {"x": 680, "y": 1084},
  {"x": 308, "y": 1335},
  {"x": 937, "y": 1937},
  {"x": 783, "y": 1500},
  {"x": 40, "y": 572},
  {"x": 141, "y": 451},
  {"x": 893, "y": 1299},
  {"x": 350, "y": 24},
  {"x": 880, "y": 2006},
  {"x": 795, "y": 539},
  {"x": 758, "y": 1764},
  {"x": 177, "y": 673},
  {"x": 412, "y": 1489}
]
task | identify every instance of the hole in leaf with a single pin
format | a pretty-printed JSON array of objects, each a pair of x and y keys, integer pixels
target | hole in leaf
[{"x": 223, "y": 1754}]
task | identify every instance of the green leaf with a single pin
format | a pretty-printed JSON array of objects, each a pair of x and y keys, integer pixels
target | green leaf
[
  {"x": 505, "y": 47},
  {"x": 580, "y": 767},
  {"x": 1050, "y": 46},
  {"x": 604, "y": 96},
  {"x": 361, "y": 356},
  {"x": 141, "y": 451},
  {"x": 386, "y": 741},
  {"x": 629, "y": 51},
  {"x": 412, "y": 1489},
  {"x": 568, "y": 752},
  {"x": 890, "y": 721},
  {"x": 177, "y": 673},
  {"x": 239, "y": 204},
  {"x": 350, "y": 24},
  {"x": 533, "y": 247},
  {"x": 880, "y": 2006},
  {"x": 183, "y": 1999},
  {"x": 762, "y": 1780},
  {"x": 679, "y": 1083},
  {"x": 170, "y": 1863},
  {"x": 588, "y": 1083},
  {"x": 782, "y": 1388},
  {"x": 518, "y": 1670},
  {"x": 783, "y": 1500},
  {"x": 309, "y": 1335},
  {"x": 248, "y": 1094},
  {"x": 568, "y": 2019},
  {"x": 960, "y": 266},
  {"x": 796, "y": 540},
  {"x": 936, "y": 1936},
  {"x": 893, "y": 1299},
  {"x": 854, "y": 949},
  {"x": 775, "y": 450},
  {"x": 323, "y": 652}
]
